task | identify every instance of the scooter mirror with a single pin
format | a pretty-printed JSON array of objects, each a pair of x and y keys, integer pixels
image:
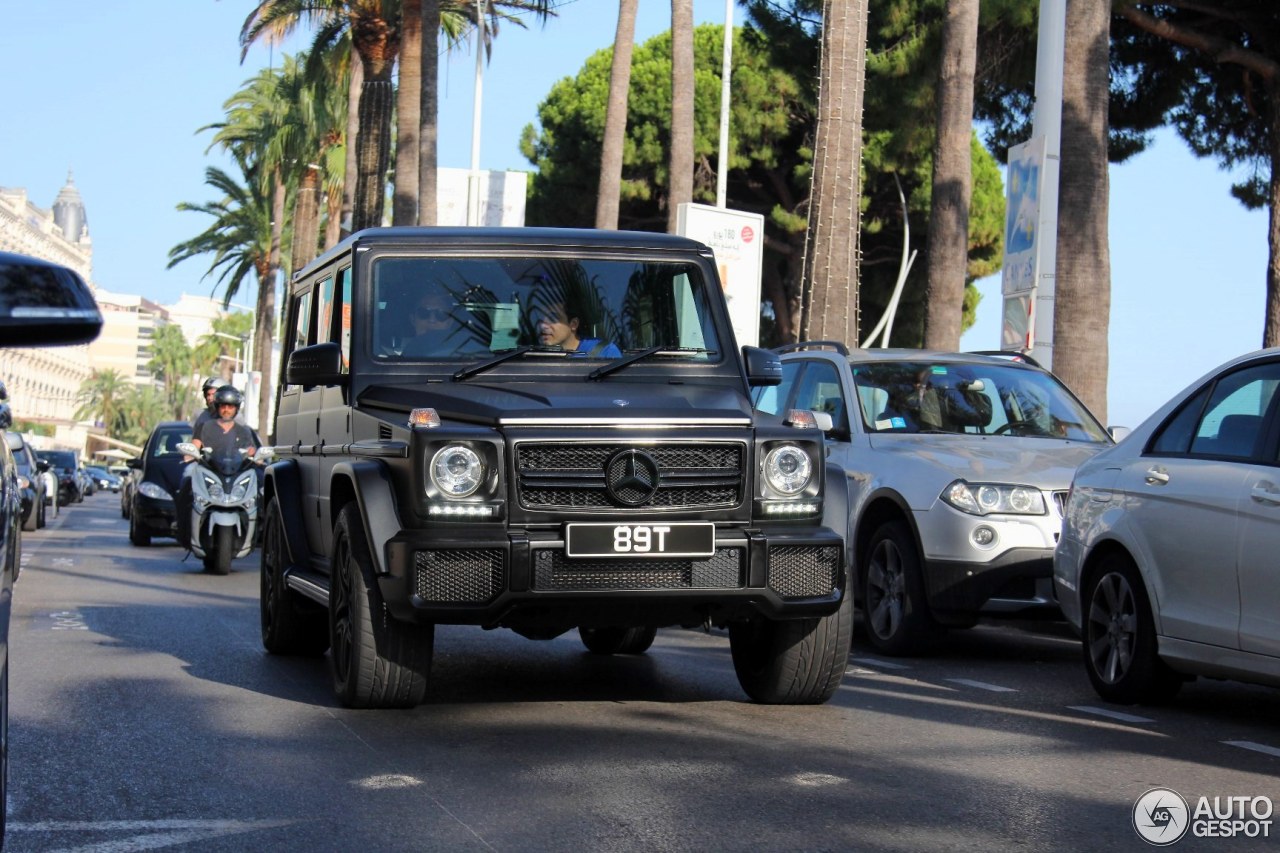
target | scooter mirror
[{"x": 186, "y": 448}]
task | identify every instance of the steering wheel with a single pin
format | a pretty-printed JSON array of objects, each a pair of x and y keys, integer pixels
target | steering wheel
[{"x": 1003, "y": 428}]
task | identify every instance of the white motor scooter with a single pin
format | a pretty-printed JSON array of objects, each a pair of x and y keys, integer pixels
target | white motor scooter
[{"x": 224, "y": 506}]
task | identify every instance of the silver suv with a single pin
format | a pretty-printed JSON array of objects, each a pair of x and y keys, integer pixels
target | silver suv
[{"x": 956, "y": 469}]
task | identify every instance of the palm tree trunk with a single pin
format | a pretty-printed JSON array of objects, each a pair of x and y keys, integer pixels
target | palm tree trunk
[
  {"x": 306, "y": 218},
  {"x": 1082, "y": 283},
  {"x": 265, "y": 310},
  {"x": 829, "y": 302},
  {"x": 354, "y": 88},
  {"x": 615, "y": 120},
  {"x": 952, "y": 166},
  {"x": 373, "y": 145},
  {"x": 1271, "y": 324},
  {"x": 404, "y": 200},
  {"x": 428, "y": 136},
  {"x": 680, "y": 179}
]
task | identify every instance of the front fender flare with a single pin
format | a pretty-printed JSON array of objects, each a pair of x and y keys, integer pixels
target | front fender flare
[
  {"x": 283, "y": 481},
  {"x": 375, "y": 496}
]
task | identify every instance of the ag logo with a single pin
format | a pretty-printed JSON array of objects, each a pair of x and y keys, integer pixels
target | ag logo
[{"x": 1161, "y": 816}]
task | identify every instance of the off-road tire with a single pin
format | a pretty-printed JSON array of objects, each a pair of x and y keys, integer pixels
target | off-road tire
[
  {"x": 376, "y": 661},
  {"x": 792, "y": 661},
  {"x": 291, "y": 624}
]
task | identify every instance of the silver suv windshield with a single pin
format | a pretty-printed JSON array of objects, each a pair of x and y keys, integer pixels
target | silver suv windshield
[
  {"x": 988, "y": 399},
  {"x": 468, "y": 309}
]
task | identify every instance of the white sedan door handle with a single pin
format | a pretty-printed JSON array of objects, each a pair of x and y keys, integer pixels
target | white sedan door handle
[
  {"x": 1266, "y": 493},
  {"x": 1157, "y": 476}
]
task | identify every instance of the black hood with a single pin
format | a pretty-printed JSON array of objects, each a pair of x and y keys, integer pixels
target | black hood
[{"x": 567, "y": 402}]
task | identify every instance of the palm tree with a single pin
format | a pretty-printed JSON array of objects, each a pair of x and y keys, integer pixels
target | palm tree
[
  {"x": 1082, "y": 279},
  {"x": 171, "y": 363},
  {"x": 141, "y": 408},
  {"x": 829, "y": 303},
  {"x": 615, "y": 118},
  {"x": 680, "y": 177},
  {"x": 952, "y": 158},
  {"x": 240, "y": 239},
  {"x": 100, "y": 398},
  {"x": 376, "y": 30},
  {"x": 217, "y": 352}
]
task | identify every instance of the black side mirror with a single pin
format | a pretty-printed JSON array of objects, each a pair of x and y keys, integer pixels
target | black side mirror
[
  {"x": 42, "y": 465},
  {"x": 320, "y": 364},
  {"x": 763, "y": 367},
  {"x": 135, "y": 463},
  {"x": 43, "y": 304}
]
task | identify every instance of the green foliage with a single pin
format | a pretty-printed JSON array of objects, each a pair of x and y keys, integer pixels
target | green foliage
[
  {"x": 100, "y": 397},
  {"x": 171, "y": 363},
  {"x": 142, "y": 407},
  {"x": 771, "y": 130}
]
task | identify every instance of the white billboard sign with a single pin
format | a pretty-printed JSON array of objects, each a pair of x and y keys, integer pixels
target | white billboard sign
[
  {"x": 502, "y": 197},
  {"x": 737, "y": 239}
]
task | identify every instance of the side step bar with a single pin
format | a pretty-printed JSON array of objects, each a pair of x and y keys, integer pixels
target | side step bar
[{"x": 313, "y": 585}]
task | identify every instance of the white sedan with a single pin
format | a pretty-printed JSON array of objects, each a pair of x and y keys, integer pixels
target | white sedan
[{"x": 1169, "y": 561}]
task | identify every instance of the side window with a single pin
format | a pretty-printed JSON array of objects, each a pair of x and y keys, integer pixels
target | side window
[
  {"x": 1233, "y": 419},
  {"x": 1175, "y": 436},
  {"x": 772, "y": 398},
  {"x": 299, "y": 335},
  {"x": 324, "y": 311},
  {"x": 344, "y": 317}
]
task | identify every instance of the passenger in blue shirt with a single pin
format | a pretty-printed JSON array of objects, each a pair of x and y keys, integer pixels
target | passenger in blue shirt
[{"x": 557, "y": 327}]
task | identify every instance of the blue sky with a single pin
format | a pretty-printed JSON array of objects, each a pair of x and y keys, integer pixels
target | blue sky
[{"x": 116, "y": 91}]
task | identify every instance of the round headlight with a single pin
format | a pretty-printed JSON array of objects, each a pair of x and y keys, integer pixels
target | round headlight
[
  {"x": 787, "y": 469},
  {"x": 988, "y": 498},
  {"x": 456, "y": 471},
  {"x": 1021, "y": 500}
]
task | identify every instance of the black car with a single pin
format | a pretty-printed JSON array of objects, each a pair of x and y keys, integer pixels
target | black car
[
  {"x": 66, "y": 464},
  {"x": 103, "y": 478},
  {"x": 41, "y": 304},
  {"x": 30, "y": 484},
  {"x": 158, "y": 474}
]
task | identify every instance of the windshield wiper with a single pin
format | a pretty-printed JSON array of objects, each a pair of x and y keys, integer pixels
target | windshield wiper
[
  {"x": 505, "y": 355},
  {"x": 614, "y": 367}
]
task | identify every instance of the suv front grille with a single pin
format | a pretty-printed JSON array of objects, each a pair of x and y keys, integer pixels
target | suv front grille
[
  {"x": 577, "y": 475},
  {"x": 553, "y": 571}
]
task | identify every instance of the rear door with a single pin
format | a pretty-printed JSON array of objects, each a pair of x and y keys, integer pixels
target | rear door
[{"x": 1259, "y": 510}]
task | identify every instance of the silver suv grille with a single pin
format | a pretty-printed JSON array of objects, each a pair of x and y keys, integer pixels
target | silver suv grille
[{"x": 580, "y": 475}]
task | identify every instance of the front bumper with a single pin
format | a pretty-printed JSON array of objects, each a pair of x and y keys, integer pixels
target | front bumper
[
  {"x": 1018, "y": 583},
  {"x": 499, "y": 578},
  {"x": 158, "y": 516}
]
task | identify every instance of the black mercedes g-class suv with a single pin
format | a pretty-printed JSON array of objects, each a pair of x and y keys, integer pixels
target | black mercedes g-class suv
[{"x": 543, "y": 430}]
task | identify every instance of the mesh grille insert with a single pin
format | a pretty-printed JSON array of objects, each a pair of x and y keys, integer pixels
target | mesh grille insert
[
  {"x": 799, "y": 571},
  {"x": 458, "y": 576},
  {"x": 554, "y": 571}
]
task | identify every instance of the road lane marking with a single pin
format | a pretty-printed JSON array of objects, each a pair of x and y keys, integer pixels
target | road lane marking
[
  {"x": 981, "y": 685},
  {"x": 883, "y": 664},
  {"x": 148, "y": 834},
  {"x": 1107, "y": 712},
  {"x": 388, "y": 782},
  {"x": 1256, "y": 747},
  {"x": 815, "y": 780}
]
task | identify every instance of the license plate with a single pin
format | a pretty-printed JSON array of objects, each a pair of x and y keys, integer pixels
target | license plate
[{"x": 673, "y": 539}]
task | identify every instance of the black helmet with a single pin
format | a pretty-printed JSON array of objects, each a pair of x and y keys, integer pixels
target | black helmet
[
  {"x": 211, "y": 382},
  {"x": 228, "y": 395}
]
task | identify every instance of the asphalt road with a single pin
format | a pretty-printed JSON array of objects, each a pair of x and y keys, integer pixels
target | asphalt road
[{"x": 146, "y": 716}]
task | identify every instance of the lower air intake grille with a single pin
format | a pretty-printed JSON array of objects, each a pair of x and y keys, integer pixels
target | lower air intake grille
[
  {"x": 457, "y": 577},
  {"x": 797, "y": 571},
  {"x": 553, "y": 571}
]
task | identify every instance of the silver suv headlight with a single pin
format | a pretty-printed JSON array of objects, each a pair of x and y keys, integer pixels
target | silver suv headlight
[
  {"x": 787, "y": 469},
  {"x": 994, "y": 498},
  {"x": 456, "y": 470}
]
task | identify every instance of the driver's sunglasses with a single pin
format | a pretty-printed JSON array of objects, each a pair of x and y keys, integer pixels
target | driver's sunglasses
[{"x": 436, "y": 314}]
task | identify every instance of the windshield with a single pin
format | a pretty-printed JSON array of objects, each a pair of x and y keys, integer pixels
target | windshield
[
  {"x": 466, "y": 309},
  {"x": 921, "y": 396},
  {"x": 64, "y": 459}
]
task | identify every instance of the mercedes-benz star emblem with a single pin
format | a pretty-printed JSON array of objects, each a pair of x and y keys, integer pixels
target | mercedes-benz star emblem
[{"x": 631, "y": 477}]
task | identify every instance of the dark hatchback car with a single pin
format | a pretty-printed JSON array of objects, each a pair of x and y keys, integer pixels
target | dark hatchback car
[
  {"x": 31, "y": 484},
  {"x": 158, "y": 473},
  {"x": 66, "y": 465},
  {"x": 41, "y": 304}
]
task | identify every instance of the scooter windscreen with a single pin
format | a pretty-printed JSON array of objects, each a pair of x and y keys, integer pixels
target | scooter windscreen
[{"x": 228, "y": 463}]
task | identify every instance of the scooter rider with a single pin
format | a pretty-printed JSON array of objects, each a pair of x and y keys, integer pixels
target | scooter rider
[
  {"x": 222, "y": 433},
  {"x": 208, "y": 413},
  {"x": 225, "y": 433}
]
